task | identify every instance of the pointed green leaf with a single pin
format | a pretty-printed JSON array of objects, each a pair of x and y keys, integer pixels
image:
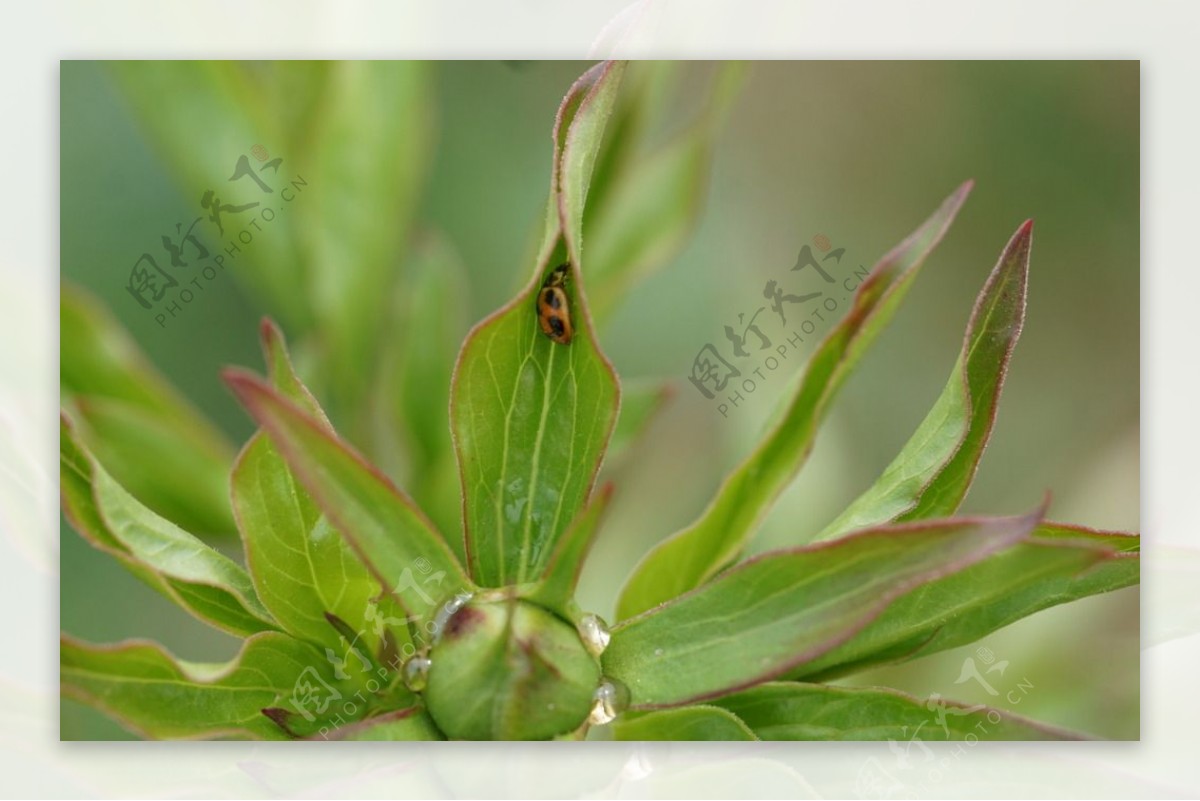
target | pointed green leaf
[
  {"x": 931, "y": 475},
  {"x": 795, "y": 711},
  {"x": 283, "y": 375},
  {"x": 693, "y": 555},
  {"x": 531, "y": 417},
  {"x": 157, "y": 696},
  {"x": 202, "y": 580},
  {"x": 690, "y": 723},
  {"x": 1056, "y": 564},
  {"x": 556, "y": 589},
  {"x": 785, "y": 609},
  {"x": 152, "y": 440},
  {"x": 595, "y": 93},
  {"x": 391, "y": 536},
  {"x": 302, "y": 568},
  {"x": 402, "y": 725}
]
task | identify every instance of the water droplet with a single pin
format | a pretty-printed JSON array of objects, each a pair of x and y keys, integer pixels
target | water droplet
[
  {"x": 512, "y": 511},
  {"x": 448, "y": 610},
  {"x": 321, "y": 530},
  {"x": 594, "y": 633},
  {"x": 610, "y": 699},
  {"x": 416, "y": 673}
]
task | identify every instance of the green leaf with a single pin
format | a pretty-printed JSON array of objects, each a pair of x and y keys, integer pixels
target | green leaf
[
  {"x": 354, "y": 141},
  {"x": 389, "y": 534},
  {"x": 402, "y": 725},
  {"x": 283, "y": 375},
  {"x": 786, "y": 609},
  {"x": 202, "y": 116},
  {"x": 203, "y": 581},
  {"x": 693, "y": 555},
  {"x": 654, "y": 202},
  {"x": 157, "y": 696},
  {"x": 795, "y": 711},
  {"x": 155, "y": 442},
  {"x": 531, "y": 417},
  {"x": 1056, "y": 564},
  {"x": 595, "y": 95},
  {"x": 931, "y": 475},
  {"x": 556, "y": 588},
  {"x": 294, "y": 93},
  {"x": 366, "y": 155},
  {"x": 302, "y": 568},
  {"x": 641, "y": 401},
  {"x": 700, "y": 722}
]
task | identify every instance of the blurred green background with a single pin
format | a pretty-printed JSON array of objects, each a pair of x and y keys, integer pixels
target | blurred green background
[{"x": 861, "y": 152}]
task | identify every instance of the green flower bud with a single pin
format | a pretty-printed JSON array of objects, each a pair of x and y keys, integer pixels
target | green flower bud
[{"x": 509, "y": 670}]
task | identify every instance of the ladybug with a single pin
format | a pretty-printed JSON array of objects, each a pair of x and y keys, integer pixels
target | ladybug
[{"x": 553, "y": 314}]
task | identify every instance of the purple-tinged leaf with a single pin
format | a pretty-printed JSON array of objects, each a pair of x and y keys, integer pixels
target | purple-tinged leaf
[
  {"x": 796, "y": 711},
  {"x": 690, "y": 557},
  {"x": 786, "y": 609},
  {"x": 931, "y": 475},
  {"x": 391, "y": 536}
]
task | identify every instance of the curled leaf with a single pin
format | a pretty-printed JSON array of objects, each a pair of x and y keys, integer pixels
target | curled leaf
[
  {"x": 194, "y": 575},
  {"x": 155, "y": 695},
  {"x": 931, "y": 475},
  {"x": 155, "y": 443}
]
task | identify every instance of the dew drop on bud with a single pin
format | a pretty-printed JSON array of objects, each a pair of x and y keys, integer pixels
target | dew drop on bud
[
  {"x": 610, "y": 699},
  {"x": 594, "y": 633},
  {"x": 416, "y": 673},
  {"x": 447, "y": 611}
]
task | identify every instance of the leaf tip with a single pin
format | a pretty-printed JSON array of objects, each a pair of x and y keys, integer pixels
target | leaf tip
[
  {"x": 280, "y": 717},
  {"x": 245, "y": 385},
  {"x": 605, "y": 493},
  {"x": 1039, "y": 513},
  {"x": 269, "y": 334}
]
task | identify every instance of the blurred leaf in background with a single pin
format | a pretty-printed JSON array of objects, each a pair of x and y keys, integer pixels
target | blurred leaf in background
[
  {"x": 358, "y": 130},
  {"x": 155, "y": 442}
]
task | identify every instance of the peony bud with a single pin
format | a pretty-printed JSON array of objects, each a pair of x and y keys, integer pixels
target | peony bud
[{"x": 509, "y": 670}]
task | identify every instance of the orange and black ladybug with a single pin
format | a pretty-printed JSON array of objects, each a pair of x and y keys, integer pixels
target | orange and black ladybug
[{"x": 553, "y": 314}]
